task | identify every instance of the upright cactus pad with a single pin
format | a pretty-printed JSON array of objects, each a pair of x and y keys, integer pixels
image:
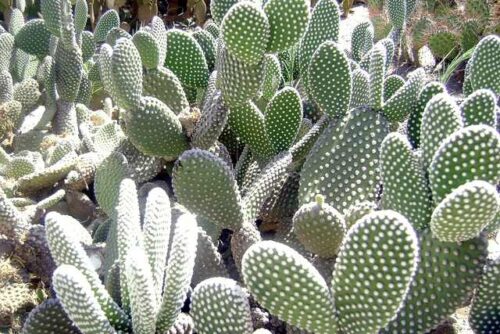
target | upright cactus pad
[
  {"x": 79, "y": 302},
  {"x": 126, "y": 73},
  {"x": 107, "y": 21},
  {"x": 440, "y": 119},
  {"x": 330, "y": 79},
  {"x": 342, "y": 181},
  {"x": 197, "y": 176},
  {"x": 287, "y": 285},
  {"x": 474, "y": 153},
  {"x": 378, "y": 259},
  {"x": 245, "y": 32},
  {"x": 248, "y": 122},
  {"x": 49, "y": 317},
  {"x": 396, "y": 9},
  {"x": 319, "y": 227},
  {"x": 377, "y": 76},
  {"x": 212, "y": 122},
  {"x": 391, "y": 85},
  {"x": 185, "y": 58},
  {"x": 155, "y": 130},
  {"x": 109, "y": 174},
  {"x": 465, "y": 212},
  {"x": 360, "y": 85},
  {"x": 361, "y": 40},
  {"x": 282, "y": 118},
  {"x": 484, "y": 316},
  {"x": 219, "y": 8},
  {"x": 212, "y": 313},
  {"x": 430, "y": 300},
  {"x": 163, "y": 84},
  {"x": 272, "y": 76},
  {"x": 405, "y": 187},
  {"x": 287, "y": 20},
  {"x": 484, "y": 61},
  {"x": 34, "y": 38},
  {"x": 415, "y": 120},
  {"x": 148, "y": 48},
  {"x": 479, "y": 108}
]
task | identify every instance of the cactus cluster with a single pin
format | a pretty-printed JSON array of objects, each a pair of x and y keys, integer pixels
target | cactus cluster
[{"x": 248, "y": 176}]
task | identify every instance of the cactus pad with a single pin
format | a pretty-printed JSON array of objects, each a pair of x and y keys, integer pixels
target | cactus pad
[
  {"x": 212, "y": 313},
  {"x": 33, "y": 38},
  {"x": 166, "y": 87},
  {"x": 197, "y": 176},
  {"x": 472, "y": 153},
  {"x": 377, "y": 260},
  {"x": 148, "y": 48},
  {"x": 289, "y": 286},
  {"x": 107, "y": 21},
  {"x": 330, "y": 79},
  {"x": 126, "y": 73},
  {"x": 319, "y": 227},
  {"x": 245, "y": 32},
  {"x": 465, "y": 212},
  {"x": 484, "y": 61},
  {"x": 479, "y": 108}
]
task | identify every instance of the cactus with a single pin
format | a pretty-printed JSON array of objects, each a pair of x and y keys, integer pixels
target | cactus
[
  {"x": 465, "y": 212},
  {"x": 479, "y": 108},
  {"x": 212, "y": 313},
  {"x": 245, "y": 41},
  {"x": 483, "y": 316},
  {"x": 49, "y": 317},
  {"x": 296, "y": 282},
  {"x": 148, "y": 48},
  {"x": 482, "y": 62},
  {"x": 388, "y": 278},
  {"x": 319, "y": 227}
]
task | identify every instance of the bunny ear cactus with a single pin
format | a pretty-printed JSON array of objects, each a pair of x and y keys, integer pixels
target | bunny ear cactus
[
  {"x": 155, "y": 130},
  {"x": 211, "y": 123},
  {"x": 107, "y": 21},
  {"x": 33, "y": 38},
  {"x": 361, "y": 40},
  {"x": 330, "y": 79},
  {"x": 360, "y": 85},
  {"x": 484, "y": 61},
  {"x": 397, "y": 11},
  {"x": 405, "y": 187},
  {"x": 484, "y": 312},
  {"x": 109, "y": 174},
  {"x": 79, "y": 302},
  {"x": 219, "y": 8},
  {"x": 479, "y": 108},
  {"x": 245, "y": 32},
  {"x": 465, "y": 212},
  {"x": 474, "y": 152},
  {"x": 415, "y": 119},
  {"x": 49, "y": 317},
  {"x": 377, "y": 76},
  {"x": 287, "y": 285},
  {"x": 319, "y": 227},
  {"x": 385, "y": 246},
  {"x": 185, "y": 58},
  {"x": 197, "y": 176},
  {"x": 282, "y": 118},
  {"x": 391, "y": 85},
  {"x": 148, "y": 48},
  {"x": 164, "y": 85},
  {"x": 429, "y": 300},
  {"x": 179, "y": 271},
  {"x": 212, "y": 313},
  {"x": 280, "y": 13},
  {"x": 342, "y": 182}
]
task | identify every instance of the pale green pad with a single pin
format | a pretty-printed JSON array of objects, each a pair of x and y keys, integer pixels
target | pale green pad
[
  {"x": 213, "y": 119},
  {"x": 205, "y": 184},
  {"x": 320, "y": 228},
  {"x": 345, "y": 178},
  {"x": 163, "y": 84},
  {"x": 155, "y": 130},
  {"x": 219, "y": 8},
  {"x": 472, "y": 153},
  {"x": 185, "y": 58},
  {"x": 47, "y": 318},
  {"x": 126, "y": 74},
  {"x": 465, "y": 212},
  {"x": 78, "y": 301},
  {"x": 377, "y": 261},
  {"x": 484, "y": 316},
  {"x": 211, "y": 312},
  {"x": 377, "y": 76},
  {"x": 288, "y": 285},
  {"x": 287, "y": 20},
  {"x": 248, "y": 123},
  {"x": 479, "y": 108},
  {"x": 238, "y": 82},
  {"x": 330, "y": 79},
  {"x": 360, "y": 87},
  {"x": 403, "y": 101},
  {"x": 148, "y": 48},
  {"x": 391, "y": 85},
  {"x": 245, "y": 32},
  {"x": 33, "y": 38},
  {"x": 446, "y": 275},
  {"x": 108, "y": 176},
  {"x": 107, "y": 21},
  {"x": 282, "y": 118},
  {"x": 484, "y": 63},
  {"x": 405, "y": 187},
  {"x": 415, "y": 120}
]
